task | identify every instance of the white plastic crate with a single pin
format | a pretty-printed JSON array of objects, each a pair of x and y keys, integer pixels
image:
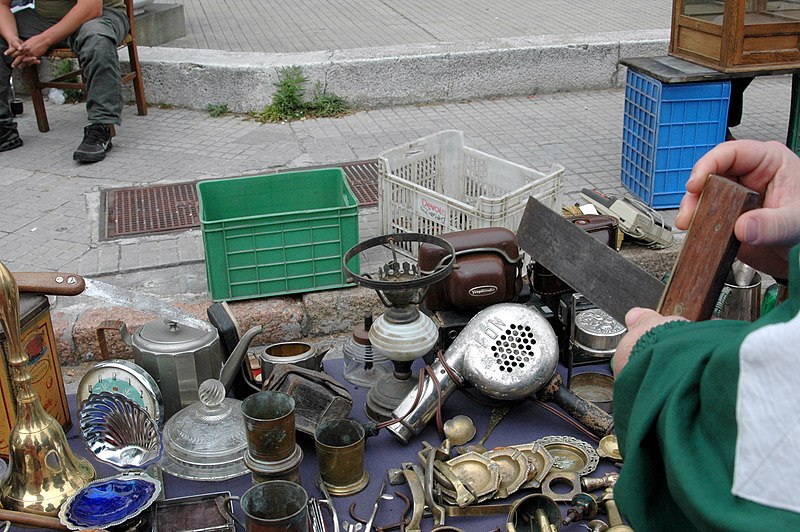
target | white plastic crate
[{"x": 437, "y": 185}]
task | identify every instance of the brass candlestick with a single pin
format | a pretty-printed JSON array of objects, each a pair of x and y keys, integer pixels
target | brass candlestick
[{"x": 42, "y": 470}]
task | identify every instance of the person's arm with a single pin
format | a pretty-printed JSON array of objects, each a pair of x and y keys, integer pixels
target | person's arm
[
  {"x": 771, "y": 169},
  {"x": 766, "y": 234},
  {"x": 8, "y": 27},
  {"x": 36, "y": 46},
  {"x": 638, "y": 321}
]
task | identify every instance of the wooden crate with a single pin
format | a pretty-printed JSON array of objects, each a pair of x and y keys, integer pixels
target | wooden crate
[{"x": 736, "y": 35}]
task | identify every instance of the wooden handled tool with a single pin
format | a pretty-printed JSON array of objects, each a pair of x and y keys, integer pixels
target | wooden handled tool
[{"x": 51, "y": 283}]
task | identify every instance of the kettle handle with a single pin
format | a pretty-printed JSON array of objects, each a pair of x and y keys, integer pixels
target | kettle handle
[{"x": 113, "y": 325}]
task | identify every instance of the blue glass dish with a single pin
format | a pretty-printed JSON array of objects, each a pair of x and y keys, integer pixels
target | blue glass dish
[{"x": 110, "y": 501}]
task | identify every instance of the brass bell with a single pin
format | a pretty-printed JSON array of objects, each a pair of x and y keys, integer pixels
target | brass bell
[{"x": 43, "y": 472}]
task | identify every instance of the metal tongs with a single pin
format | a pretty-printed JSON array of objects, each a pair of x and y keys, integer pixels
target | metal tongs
[{"x": 319, "y": 526}]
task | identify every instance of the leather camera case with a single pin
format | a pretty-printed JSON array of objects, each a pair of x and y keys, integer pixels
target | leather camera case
[
  {"x": 487, "y": 270},
  {"x": 601, "y": 227}
]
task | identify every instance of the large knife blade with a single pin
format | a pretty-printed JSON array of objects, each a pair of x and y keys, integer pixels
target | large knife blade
[
  {"x": 71, "y": 284},
  {"x": 615, "y": 284}
]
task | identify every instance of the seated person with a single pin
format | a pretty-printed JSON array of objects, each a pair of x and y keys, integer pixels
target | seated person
[
  {"x": 706, "y": 413},
  {"x": 91, "y": 28}
]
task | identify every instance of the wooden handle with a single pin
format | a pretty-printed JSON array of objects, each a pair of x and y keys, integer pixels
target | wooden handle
[
  {"x": 53, "y": 283},
  {"x": 708, "y": 251},
  {"x": 39, "y": 521},
  {"x": 598, "y": 421},
  {"x": 109, "y": 325}
]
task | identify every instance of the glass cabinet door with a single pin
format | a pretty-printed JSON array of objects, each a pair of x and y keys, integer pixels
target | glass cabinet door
[
  {"x": 766, "y": 12},
  {"x": 707, "y": 10}
]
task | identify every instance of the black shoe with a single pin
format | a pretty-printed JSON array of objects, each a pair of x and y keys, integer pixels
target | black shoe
[
  {"x": 9, "y": 138},
  {"x": 96, "y": 142}
]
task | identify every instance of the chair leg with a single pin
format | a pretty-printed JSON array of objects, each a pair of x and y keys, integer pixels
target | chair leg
[
  {"x": 138, "y": 83},
  {"x": 32, "y": 78}
]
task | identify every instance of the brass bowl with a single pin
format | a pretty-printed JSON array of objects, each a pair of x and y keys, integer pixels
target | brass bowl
[{"x": 597, "y": 388}]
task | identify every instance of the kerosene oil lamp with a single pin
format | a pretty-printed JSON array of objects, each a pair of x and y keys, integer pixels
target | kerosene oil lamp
[{"x": 402, "y": 334}]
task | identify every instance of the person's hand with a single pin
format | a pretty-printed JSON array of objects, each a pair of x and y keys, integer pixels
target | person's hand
[
  {"x": 771, "y": 169},
  {"x": 14, "y": 46},
  {"x": 29, "y": 51},
  {"x": 638, "y": 321}
]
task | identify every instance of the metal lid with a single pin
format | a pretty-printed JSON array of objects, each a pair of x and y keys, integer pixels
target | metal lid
[
  {"x": 168, "y": 336},
  {"x": 596, "y": 330}
]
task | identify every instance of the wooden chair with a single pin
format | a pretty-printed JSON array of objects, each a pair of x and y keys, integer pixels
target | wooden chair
[{"x": 134, "y": 76}]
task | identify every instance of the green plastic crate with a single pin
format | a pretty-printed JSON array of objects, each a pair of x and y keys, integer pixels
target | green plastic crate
[{"x": 277, "y": 234}]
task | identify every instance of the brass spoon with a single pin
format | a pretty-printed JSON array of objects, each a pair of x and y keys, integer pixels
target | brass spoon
[{"x": 497, "y": 415}]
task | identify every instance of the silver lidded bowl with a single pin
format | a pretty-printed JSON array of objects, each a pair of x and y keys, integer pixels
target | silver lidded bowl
[{"x": 119, "y": 432}]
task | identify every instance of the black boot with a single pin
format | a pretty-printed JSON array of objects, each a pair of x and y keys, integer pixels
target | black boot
[
  {"x": 96, "y": 142},
  {"x": 9, "y": 138}
]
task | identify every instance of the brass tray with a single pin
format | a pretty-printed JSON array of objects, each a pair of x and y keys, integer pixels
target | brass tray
[
  {"x": 514, "y": 469},
  {"x": 481, "y": 475},
  {"x": 571, "y": 454},
  {"x": 541, "y": 463}
]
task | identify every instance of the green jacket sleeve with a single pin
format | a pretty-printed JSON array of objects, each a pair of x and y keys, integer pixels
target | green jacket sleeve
[{"x": 675, "y": 417}]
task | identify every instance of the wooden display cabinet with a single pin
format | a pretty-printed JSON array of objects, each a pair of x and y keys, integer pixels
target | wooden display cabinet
[{"x": 737, "y": 35}]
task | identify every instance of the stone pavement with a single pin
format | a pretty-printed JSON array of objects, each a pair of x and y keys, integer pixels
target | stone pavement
[
  {"x": 49, "y": 206},
  {"x": 377, "y": 53},
  {"x": 311, "y": 25}
]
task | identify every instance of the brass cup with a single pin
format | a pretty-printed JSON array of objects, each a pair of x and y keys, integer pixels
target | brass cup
[
  {"x": 276, "y": 505},
  {"x": 269, "y": 425},
  {"x": 340, "y": 453}
]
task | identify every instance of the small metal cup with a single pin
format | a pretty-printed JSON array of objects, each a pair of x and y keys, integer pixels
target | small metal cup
[
  {"x": 741, "y": 302},
  {"x": 300, "y": 354},
  {"x": 274, "y": 506},
  {"x": 340, "y": 452},
  {"x": 269, "y": 425}
]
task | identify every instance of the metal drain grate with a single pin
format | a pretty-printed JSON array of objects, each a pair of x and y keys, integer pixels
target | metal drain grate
[
  {"x": 363, "y": 179},
  {"x": 146, "y": 210},
  {"x": 137, "y": 211}
]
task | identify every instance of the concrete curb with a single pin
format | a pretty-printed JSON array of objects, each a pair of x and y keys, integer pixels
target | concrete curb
[{"x": 400, "y": 75}]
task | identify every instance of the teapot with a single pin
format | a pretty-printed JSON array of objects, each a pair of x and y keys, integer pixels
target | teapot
[{"x": 178, "y": 357}]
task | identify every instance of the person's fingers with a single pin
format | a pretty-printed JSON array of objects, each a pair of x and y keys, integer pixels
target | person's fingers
[
  {"x": 638, "y": 321},
  {"x": 686, "y": 211},
  {"x": 764, "y": 227},
  {"x": 634, "y": 315}
]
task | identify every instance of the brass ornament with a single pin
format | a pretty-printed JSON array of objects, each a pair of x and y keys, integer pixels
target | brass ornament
[{"x": 43, "y": 471}]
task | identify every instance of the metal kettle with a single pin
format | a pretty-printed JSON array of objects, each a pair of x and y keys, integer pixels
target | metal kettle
[{"x": 179, "y": 357}]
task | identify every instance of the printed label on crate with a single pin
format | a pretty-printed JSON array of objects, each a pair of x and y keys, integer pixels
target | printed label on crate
[{"x": 433, "y": 210}]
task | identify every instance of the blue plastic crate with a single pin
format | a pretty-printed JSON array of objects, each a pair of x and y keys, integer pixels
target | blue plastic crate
[{"x": 666, "y": 129}]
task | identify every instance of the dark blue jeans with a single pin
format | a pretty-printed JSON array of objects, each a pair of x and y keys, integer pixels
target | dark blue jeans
[{"x": 95, "y": 43}]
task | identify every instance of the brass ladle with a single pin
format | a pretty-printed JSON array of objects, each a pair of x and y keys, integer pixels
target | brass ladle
[{"x": 497, "y": 415}]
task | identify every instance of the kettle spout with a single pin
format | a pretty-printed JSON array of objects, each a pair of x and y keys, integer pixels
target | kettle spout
[{"x": 234, "y": 361}]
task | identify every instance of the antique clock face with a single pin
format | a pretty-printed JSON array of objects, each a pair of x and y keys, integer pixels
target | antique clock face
[{"x": 125, "y": 378}]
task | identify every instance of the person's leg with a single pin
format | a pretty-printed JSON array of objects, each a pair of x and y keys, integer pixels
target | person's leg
[
  {"x": 96, "y": 45},
  {"x": 28, "y": 24},
  {"x": 736, "y": 104}
]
